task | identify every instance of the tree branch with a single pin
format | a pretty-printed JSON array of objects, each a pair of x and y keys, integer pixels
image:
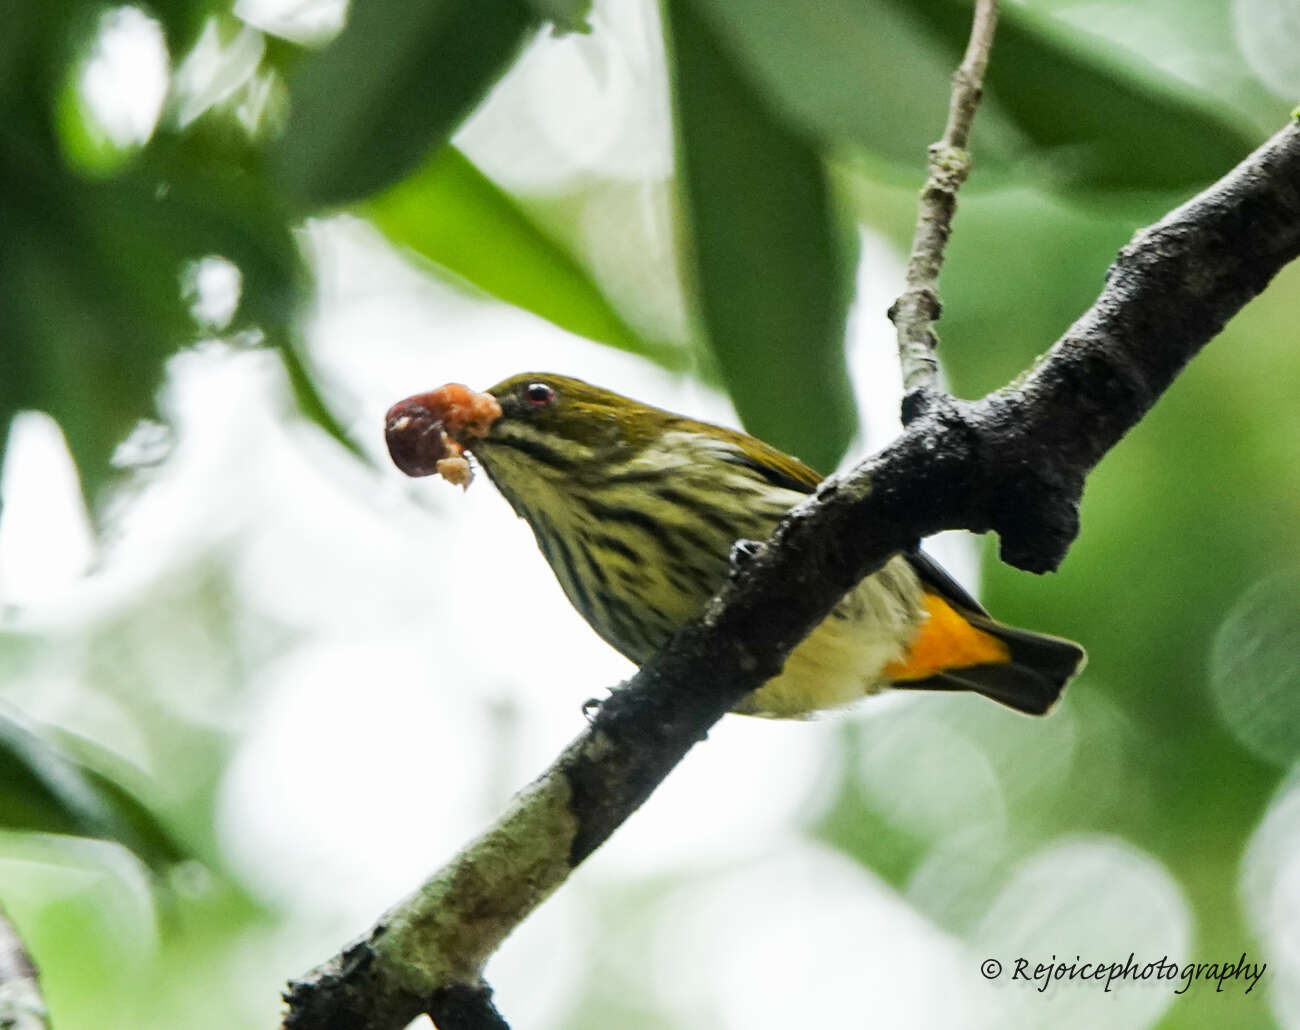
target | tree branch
[
  {"x": 1014, "y": 462},
  {"x": 466, "y": 1007},
  {"x": 21, "y": 1005},
  {"x": 916, "y": 311}
]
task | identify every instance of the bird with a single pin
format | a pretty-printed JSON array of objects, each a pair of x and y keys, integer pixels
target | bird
[{"x": 637, "y": 510}]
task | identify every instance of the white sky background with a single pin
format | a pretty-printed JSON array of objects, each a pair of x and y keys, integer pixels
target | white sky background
[{"x": 436, "y": 666}]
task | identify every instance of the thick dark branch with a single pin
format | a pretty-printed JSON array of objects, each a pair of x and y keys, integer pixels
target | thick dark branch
[
  {"x": 1014, "y": 462},
  {"x": 1168, "y": 293},
  {"x": 466, "y": 1007}
]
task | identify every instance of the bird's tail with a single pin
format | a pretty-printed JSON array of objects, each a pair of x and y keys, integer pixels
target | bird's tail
[{"x": 1023, "y": 670}]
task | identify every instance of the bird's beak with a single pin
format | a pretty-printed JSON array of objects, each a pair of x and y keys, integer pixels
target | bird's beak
[{"x": 430, "y": 432}]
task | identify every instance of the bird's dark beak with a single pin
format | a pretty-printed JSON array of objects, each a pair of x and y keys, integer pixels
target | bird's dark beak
[{"x": 427, "y": 431}]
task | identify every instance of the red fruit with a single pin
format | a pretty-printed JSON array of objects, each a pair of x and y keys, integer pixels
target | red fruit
[{"x": 428, "y": 433}]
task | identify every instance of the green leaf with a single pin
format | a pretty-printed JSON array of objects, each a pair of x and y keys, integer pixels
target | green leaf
[
  {"x": 90, "y": 284},
  {"x": 391, "y": 88},
  {"x": 47, "y": 788},
  {"x": 565, "y": 15},
  {"x": 1059, "y": 103},
  {"x": 452, "y": 214},
  {"x": 772, "y": 261},
  {"x": 308, "y": 396},
  {"x": 182, "y": 20},
  {"x": 1091, "y": 109},
  {"x": 92, "y": 314},
  {"x": 843, "y": 70}
]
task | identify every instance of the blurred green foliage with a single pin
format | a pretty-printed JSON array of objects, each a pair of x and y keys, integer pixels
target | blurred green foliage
[
  {"x": 452, "y": 214},
  {"x": 1058, "y": 101},
  {"x": 774, "y": 263},
  {"x": 44, "y": 788},
  {"x": 391, "y": 88},
  {"x": 97, "y": 239},
  {"x": 792, "y": 122}
]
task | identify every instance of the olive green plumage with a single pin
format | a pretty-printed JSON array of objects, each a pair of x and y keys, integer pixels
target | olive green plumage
[
  {"x": 618, "y": 427},
  {"x": 634, "y": 507}
]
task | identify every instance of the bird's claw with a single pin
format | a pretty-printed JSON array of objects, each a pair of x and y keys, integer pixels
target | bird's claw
[{"x": 743, "y": 552}]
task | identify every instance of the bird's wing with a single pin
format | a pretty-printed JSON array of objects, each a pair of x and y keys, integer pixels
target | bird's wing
[
  {"x": 784, "y": 470},
  {"x": 777, "y": 467},
  {"x": 935, "y": 579}
]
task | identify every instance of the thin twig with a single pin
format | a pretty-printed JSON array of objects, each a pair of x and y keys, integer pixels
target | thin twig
[
  {"x": 916, "y": 311},
  {"x": 1014, "y": 462},
  {"x": 21, "y": 1005}
]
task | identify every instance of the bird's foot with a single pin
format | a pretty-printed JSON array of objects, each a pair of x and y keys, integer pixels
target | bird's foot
[{"x": 742, "y": 553}]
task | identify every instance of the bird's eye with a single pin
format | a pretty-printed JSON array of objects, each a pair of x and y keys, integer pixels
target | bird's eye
[{"x": 538, "y": 394}]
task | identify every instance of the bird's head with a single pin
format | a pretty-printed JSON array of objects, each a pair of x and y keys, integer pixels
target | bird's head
[{"x": 533, "y": 426}]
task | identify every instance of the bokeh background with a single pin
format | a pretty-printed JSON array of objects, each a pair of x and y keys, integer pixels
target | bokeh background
[{"x": 254, "y": 684}]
